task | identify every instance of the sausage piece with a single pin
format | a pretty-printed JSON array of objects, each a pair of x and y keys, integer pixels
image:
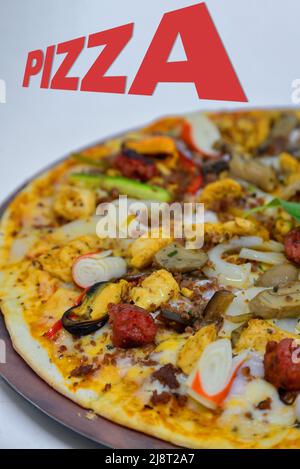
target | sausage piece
[
  {"x": 292, "y": 245},
  {"x": 132, "y": 326},
  {"x": 136, "y": 166},
  {"x": 282, "y": 364}
]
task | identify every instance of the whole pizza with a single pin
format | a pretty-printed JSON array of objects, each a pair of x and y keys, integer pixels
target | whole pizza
[{"x": 198, "y": 347}]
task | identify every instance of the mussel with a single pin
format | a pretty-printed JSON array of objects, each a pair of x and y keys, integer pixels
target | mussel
[{"x": 78, "y": 319}]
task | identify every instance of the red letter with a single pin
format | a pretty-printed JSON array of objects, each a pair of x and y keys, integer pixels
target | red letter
[
  {"x": 72, "y": 48},
  {"x": 47, "y": 67},
  {"x": 115, "y": 39},
  {"x": 207, "y": 65},
  {"x": 34, "y": 65}
]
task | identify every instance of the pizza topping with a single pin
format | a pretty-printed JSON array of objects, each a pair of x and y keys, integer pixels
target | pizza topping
[
  {"x": 238, "y": 311},
  {"x": 217, "y": 305},
  {"x": 292, "y": 245},
  {"x": 277, "y": 275},
  {"x": 132, "y": 326},
  {"x": 253, "y": 171},
  {"x": 123, "y": 185},
  {"x": 228, "y": 273},
  {"x": 211, "y": 380},
  {"x": 72, "y": 202},
  {"x": 287, "y": 397},
  {"x": 156, "y": 145},
  {"x": 282, "y": 364},
  {"x": 81, "y": 370},
  {"x": 201, "y": 134},
  {"x": 195, "y": 184},
  {"x": 213, "y": 167},
  {"x": 160, "y": 398},
  {"x": 166, "y": 375},
  {"x": 93, "y": 268},
  {"x": 133, "y": 165},
  {"x": 156, "y": 290},
  {"x": 176, "y": 258},
  {"x": 278, "y": 302},
  {"x": 264, "y": 257},
  {"x": 51, "y": 333},
  {"x": 87, "y": 316},
  {"x": 174, "y": 319}
]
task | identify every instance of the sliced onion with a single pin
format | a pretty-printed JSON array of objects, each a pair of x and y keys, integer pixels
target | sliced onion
[
  {"x": 231, "y": 274},
  {"x": 203, "y": 133},
  {"x": 272, "y": 245},
  {"x": 272, "y": 258},
  {"x": 91, "y": 269}
]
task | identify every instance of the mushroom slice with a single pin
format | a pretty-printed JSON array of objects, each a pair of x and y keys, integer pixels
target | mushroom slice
[
  {"x": 289, "y": 191},
  {"x": 278, "y": 275},
  {"x": 176, "y": 258},
  {"x": 284, "y": 126},
  {"x": 280, "y": 302},
  {"x": 254, "y": 172}
]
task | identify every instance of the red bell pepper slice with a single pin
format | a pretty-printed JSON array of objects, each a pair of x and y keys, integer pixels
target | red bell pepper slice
[
  {"x": 53, "y": 330},
  {"x": 195, "y": 185}
]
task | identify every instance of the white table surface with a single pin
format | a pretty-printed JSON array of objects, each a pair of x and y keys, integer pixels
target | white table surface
[
  {"x": 37, "y": 126},
  {"x": 24, "y": 427}
]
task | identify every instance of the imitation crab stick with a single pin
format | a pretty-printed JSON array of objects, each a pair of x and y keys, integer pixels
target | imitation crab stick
[
  {"x": 212, "y": 379},
  {"x": 97, "y": 267},
  {"x": 200, "y": 134}
]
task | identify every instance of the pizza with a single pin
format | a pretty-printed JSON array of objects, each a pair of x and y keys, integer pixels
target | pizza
[{"x": 196, "y": 346}]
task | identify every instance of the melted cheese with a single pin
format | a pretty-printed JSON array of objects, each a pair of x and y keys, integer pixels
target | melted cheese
[{"x": 243, "y": 416}]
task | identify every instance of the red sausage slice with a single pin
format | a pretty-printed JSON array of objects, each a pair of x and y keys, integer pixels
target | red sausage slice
[
  {"x": 132, "y": 326},
  {"x": 282, "y": 364},
  {"x": 292, "y": 245}
]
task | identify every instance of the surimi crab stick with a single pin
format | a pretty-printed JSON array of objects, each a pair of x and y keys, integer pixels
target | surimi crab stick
[
  {"x": 97, "y": 267},
  {"x": 211, "y": 380},
  {"x": 201, "y": 134}
]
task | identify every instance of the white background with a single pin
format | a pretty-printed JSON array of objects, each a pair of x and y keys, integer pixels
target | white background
[{"x": 37, "y": 126}]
